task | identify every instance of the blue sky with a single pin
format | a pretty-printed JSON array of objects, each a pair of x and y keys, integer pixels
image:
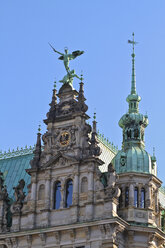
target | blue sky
[{"x": 28, "y": 67}]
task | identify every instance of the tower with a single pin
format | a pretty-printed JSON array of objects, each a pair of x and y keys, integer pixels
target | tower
[{"x": 138, "y": 182}]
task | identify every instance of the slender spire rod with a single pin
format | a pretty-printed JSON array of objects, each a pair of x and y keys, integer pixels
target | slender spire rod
[{"x": 133, "y": 83}]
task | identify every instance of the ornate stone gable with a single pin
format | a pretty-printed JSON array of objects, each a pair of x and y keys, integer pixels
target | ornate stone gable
[{"x": 59, "y": 161}]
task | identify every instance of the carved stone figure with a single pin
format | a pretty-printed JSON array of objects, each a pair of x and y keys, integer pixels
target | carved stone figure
[
  {"x": 4, "y": 205},
  {"x": 19, "y": 197},
  {"x": 98, "y": 184},
  {"x": 112, "y": 191},
  {"x": 19, "y": 194},
  {"x": 1, "y": 181}
]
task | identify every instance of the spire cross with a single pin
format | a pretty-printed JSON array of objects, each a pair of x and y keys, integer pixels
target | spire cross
[
  {"x": 133, "y": 42},
  {"x": 133, "y": 84}
]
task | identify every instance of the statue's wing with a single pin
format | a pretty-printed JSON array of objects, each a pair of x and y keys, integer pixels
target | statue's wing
[
  {"x": 61, "y": 57},
  {"x": 76, "y": 53}
]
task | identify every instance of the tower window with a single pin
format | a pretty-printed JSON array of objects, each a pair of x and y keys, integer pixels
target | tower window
[
  {"x": 69, "y": 193},
  {"x": 57, "y": 195},
  {"x": 136, "y": 196},
  {"x": 41, "y": 192},
  {"x": 126, "y": 197},
  {"x": 120, "y": 199},
  {"x": 142, "y": 198}
]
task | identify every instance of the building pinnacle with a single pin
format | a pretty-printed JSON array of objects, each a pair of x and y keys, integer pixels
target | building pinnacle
[
  {"x": 133, "y": 82},
  {"x": 133, "y": 99}
]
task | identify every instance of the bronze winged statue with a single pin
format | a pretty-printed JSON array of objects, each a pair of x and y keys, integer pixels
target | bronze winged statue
[{"x": 66, "y": 57}]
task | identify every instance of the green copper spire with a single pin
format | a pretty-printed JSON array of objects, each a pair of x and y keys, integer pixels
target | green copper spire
[
  {"x": 133, "y": 99},
  {"x": 133, "y": 123},
  {"x": 133, "y": 83}
]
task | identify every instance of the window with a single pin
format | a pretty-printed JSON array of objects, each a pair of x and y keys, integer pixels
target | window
[
  {"x": 69, "y": 192},
  {"x": 120, "y": 199},
  {"x": 57, "y": 195},
  {"x": 84, "y": 185},
  {"x": 162, "y": 220},
  {"x": 126, "y": 197},
  {"x": 41, "y": 192},
  {"x": 142, "y": 199},
  {"x": 136, "y": 196}
]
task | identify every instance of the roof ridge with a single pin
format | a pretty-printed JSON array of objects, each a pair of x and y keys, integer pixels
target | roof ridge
[
  {"x": 17, "y": 152},
  {"x": 106, "y": 142}
]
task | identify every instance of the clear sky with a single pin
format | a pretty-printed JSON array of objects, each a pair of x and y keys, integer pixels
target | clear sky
[{"x": 28, "y": 67}]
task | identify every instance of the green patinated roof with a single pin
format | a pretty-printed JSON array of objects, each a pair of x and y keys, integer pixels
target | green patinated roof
[{"x": 14, "y": 167}]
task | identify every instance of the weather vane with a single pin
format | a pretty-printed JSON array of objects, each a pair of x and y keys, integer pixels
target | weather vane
[{"x": 133, "y": 42}]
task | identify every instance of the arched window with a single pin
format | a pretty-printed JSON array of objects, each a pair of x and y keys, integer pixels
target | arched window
[
  {"x": 136, "y": 196},
  {"x": 142, "y": 198},
  {"x": 84, "y": 185},
  {"x": 121, "y": 199},
  {"x": 69, "y": 192},
  {"x": 41, "y": 192},
  {"x": 57, "y": 195},
  {"x": 126, "y": 197}
]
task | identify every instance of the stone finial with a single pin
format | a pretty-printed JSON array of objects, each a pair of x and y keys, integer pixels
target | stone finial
[
  {"x": 94, "y": 123},
  {"x": 52, "y": 111},
  {"x": 94, "y": 148},
  {"x": 37, "y": 152},
  {"x": 81, "y": 98}
]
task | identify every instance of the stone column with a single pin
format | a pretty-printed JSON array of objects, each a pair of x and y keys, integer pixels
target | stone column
[
  {"x": 156, "y": 201},
  {"x": 130, "y": 239},
  {"x": 89, "y": 206},
  {"x": 75, "y": 188},
  {"x": 139, "y": 195},
  {"x": 123, "y": 196},
  {"x": 47, "y": 189},
  {"x": 46, "y": 211},
  {"x": 148, "y": 196},
  {"x": 131, "y": 195},
  {"x": 32, "y": 216},
  {"x": 62, "y": 204},
  {"x": 33, "y": 187},
  {"x": 75, "y": 212}
]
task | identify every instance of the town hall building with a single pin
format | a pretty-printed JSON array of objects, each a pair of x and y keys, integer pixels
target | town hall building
[{"x": 76, "y": 189}]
